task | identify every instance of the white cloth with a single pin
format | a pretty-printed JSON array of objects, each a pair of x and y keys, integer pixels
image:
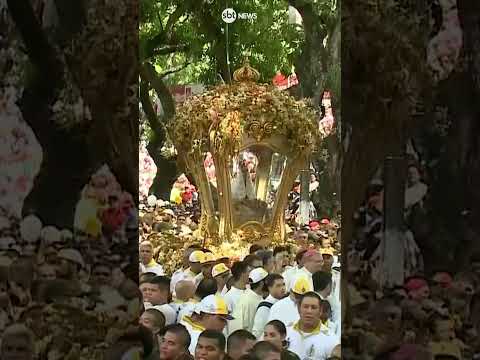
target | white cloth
[
  {"x": 261, "y": 317},
  {"x": 312, "y": 346},
  {"x": 415, "y": 194},
  {"x": 302, "y": 273},
  {"x": 194, "y": 330},
  {"x": 244, "y": 313},
  {"x": 288, "y": 275},
  {"x": 184, "y": 275},
  {"x": 284, "y": 310},
  {"x": 166, "y": 309},
  {"x": 186, "y": 309},
  {"x": 232, "y": 296}
]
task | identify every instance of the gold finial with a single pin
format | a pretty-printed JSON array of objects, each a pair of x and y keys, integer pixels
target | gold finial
[{"x": 246, "y": 73}]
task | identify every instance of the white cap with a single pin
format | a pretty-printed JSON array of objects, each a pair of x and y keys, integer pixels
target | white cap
[
  {"x": 196, "y": 256},
  {"x": 72, "y": 255},
  {"x": 152, "y": 200},
  {"x": 257, "y": 275}
]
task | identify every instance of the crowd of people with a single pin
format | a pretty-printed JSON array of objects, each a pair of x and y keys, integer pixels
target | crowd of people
[
  {"x": 435, "y": 313},
  {"x": 72, "y": 293},
  {"x": 262, "y": 301}
]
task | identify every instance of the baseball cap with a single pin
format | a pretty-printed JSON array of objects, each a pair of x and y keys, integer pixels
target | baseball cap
[
  {"x": 196, "y": 256},
  {"x": 71, "y": 255},
  {"x": 326, "y": 251},
  {"x": 219, "y": 269},
  {"x": 215, "y": 305},
  {"x": 415, "y": 284},
  {"x": 207, "y": 258},
  {"x": 302, "y": 286},
  {"x": 257, "y": 275}
]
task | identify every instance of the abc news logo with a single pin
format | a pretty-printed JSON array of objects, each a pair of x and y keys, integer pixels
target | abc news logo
[{"x": 230, "y": 15}]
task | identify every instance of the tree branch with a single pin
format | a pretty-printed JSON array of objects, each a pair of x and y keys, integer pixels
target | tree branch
[
  {"x": 169, "y": 49},
  {"x": 148, "y": 74},
  {"x": 173, "y": 18},
  {"x": 153, "y": 120},
  {"x": 173, "y": 71},
  {"x": 40, "y": 51}
]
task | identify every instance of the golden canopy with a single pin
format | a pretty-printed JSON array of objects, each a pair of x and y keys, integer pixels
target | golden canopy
[{"x": 272, "y": 127}]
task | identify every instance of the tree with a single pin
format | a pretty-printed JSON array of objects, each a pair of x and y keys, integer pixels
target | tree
[{"x": 89, "y": 51}]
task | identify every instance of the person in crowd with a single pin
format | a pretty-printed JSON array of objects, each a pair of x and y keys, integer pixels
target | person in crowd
[
  {"x": 71, "y": 263},
  {"x": 210, "y": 346},
  {"x": 147, "y": 263},
  {"x": 158, "y": 296},
  {"x": 305, "y": 336},
  {"x": 266, "y": 350},
  {"x": 195, "y": 267},
  {"x": 281, "y": 259},
  {"x": 175, "y": 343},
  {"x": 184, "y": 295},
  {"x": 240, "y": 275},
  {"x": 312, "y": 262},
  {"x": 109, "y": 296},
  {"x": 276, "y": 290},
  {"x": 144, "y": 281},
  {"x": 212, "y": 313},
  {"x": 289, "y": 273},
  {"x": 255, "y": 248},
  {"x": 245, "y": 309},
  {"x": 207, "y": 263},
  {"x": 286, "y": 310},
  {"x": 153, "y": 319},
  {"x": 178, "y": 274},
  {"x": 268, "y": 262},
  {"x": 17, "y": 343},
  {"x": 239, "y": 343},
  {"x": 253, "y": 261},
  {"x": 221, "y": 273},
  {"x": 205, "y": 288},
  {"x": 276, "y": 333}
]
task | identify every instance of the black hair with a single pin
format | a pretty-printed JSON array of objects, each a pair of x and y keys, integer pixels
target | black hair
[
  {"x": 180, "y": 331},
  {"x": 279, "y": 326},
  {"x": 214, "y": 335},
  {"x": 321, "y": 280},
  {"x": 279, "y": 249},
  {"x": 161, "y": 281},
  {"x": 159, "y": 316},
  {"x": 206, "y": 286},
  {"x": 146, "y": 277},
  {"x": 299, "y": 255},
  {"x": 238, "y": 337},
  {"x": 255, "y": 286},
  {"x": 238, "y": 269},
  {"x": 312, "y": 295},
  {"x": 265, "y": 256},
  {"x": 254, "y": 248},
  {"x": 249, "y": 259},
  {"x": 262, "y": 348},
  {"x": 271, "y": 278}
]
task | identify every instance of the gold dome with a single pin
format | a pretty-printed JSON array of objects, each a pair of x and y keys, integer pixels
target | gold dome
[{"x": 246, "y": 73}]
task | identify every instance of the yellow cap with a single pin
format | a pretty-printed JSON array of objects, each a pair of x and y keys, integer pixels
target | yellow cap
[
  {"x": 326, "y": 251},
  {"x": 196, "y": 256},
  {"x": 208, "y": 258},
  {"x": 302, "y": 286},
  {"x": 220, "y": 269}
]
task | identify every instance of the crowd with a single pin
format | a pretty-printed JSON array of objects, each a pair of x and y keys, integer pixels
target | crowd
[
  {"x": 434, "y": 314},
  {"x": 255, "y": 301},
  {"x": 72, "y": 294}
]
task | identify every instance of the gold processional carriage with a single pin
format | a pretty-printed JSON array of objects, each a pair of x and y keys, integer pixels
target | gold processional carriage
[{"x": 260, "y": 138}]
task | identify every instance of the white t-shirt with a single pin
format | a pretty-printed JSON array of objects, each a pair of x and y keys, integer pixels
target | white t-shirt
[
  {"x": 167, "y": 311},
  {"x": 232, "y": 296},
  {"x": 312, "y": 346},
  {"x": 284, "y": 310}
]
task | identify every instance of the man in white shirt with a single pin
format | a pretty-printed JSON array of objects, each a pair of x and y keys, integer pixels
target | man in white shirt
[
  {"x": 240, "y": 280},
  {"x": 286, "y": 310},
  {"x": 189, "y": 274},
  {"x": 157, "y": 295},
  {"x": 289, "y": 273},
  {"x": 246, "y": 307},
  {"x": 322, "y": 285},
  {"x": 221, "y": 273},
  {"x": 178, "y": 274},
  {"x": 147, "y": 264},
  {"x": 276, "y": 289},
  {"x": 305, "y": 337},
  {"x": 312, "y": 262}
]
